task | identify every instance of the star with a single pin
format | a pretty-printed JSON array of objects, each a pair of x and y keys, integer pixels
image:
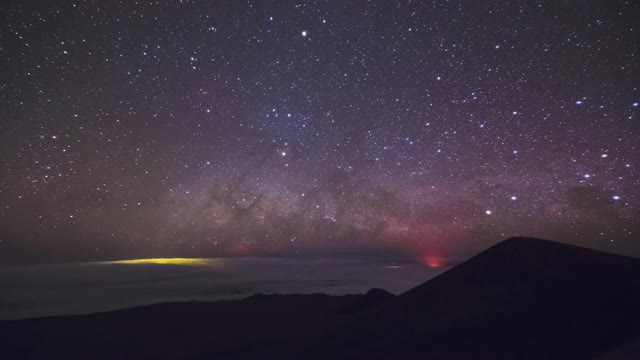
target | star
[{"x": 238, "y": 106}]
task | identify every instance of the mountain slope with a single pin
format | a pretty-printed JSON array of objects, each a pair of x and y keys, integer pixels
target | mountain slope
[
  {"x": 187, "y": 330},
  {"x": 523, "y": 298}
]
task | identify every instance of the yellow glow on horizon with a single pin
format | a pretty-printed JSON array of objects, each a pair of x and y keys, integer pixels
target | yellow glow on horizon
[
  {"x": 168, "y": 261},
  {"x": 394, "y": 267}
]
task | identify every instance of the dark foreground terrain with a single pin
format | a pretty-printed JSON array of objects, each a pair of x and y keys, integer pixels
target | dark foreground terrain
[{"x": 521, "y": 299}]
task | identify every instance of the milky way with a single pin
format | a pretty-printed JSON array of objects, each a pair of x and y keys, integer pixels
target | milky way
[{"x": 233, "y": 128}]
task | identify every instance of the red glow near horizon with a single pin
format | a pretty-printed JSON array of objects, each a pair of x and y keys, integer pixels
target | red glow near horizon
[{"x": 432, "y": 261}]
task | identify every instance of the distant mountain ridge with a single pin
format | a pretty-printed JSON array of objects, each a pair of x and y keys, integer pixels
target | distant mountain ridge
[{"x": 523, "y": 298}]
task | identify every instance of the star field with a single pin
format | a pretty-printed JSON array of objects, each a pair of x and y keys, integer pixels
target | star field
[{"x": 232, "y": 128}]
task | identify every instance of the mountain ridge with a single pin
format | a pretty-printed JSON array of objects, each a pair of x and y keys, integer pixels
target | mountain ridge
[
  {"x": 519, "y": 278},
  {"x": 522, "y": 298}
]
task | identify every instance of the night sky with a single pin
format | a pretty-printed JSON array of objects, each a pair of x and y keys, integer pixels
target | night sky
[{"x": 422, "y": 130}]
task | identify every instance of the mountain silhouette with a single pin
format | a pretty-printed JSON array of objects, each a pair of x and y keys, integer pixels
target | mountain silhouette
[{"x": 523, "y": 298}]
